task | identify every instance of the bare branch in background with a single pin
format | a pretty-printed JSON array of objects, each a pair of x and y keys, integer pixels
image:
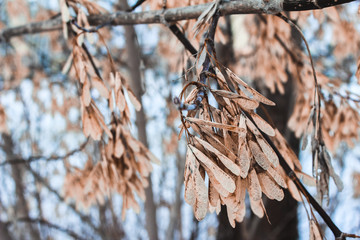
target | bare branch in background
[
  {"x": 43, "y": 158},
  {"x": 48, "y": 224}
]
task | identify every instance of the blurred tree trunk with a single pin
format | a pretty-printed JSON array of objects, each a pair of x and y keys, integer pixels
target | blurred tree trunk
[
  {"x": 104, "y": 224},
  {"x": 21, "y": 205},
  {"x": 175, "y": 211},
  {"x": 4, "y": 232},
  {"x": 282, "y": 215},
  {"x": 109, "y": 225},
  {"x": 134, "y": 54}
]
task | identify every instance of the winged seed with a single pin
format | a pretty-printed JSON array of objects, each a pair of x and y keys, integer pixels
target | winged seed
[
  {"x": 256, "y": 207},
  {"x": 254, "y": 186},
  {"x": 225, "y": 160},
  {"x": 225, "y": 180},
  {"x": 271, "y": 189},
  {"x": 259, "y": 156},
  {"x": 244, "y": 159},
  {"x": 214, "y": 124},
  {"x": 135, "y": 102},
  {"x": 268, "y": 151},
  {"x": 263, "y": 125},
  {"x": 201, "y": 193}
]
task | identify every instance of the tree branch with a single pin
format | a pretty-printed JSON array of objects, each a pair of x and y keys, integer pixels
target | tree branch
[
  {"x": 31, "y": 28},
  {"x": 175, "y": 14},
  {"x": 37, "y": 158},
  {"x": 48, "y": 224}
]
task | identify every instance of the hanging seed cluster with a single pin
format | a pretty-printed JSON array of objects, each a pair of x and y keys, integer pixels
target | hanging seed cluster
[
  {"x": 227, "y": 155},
  {"x": 124, "y": 167},
  {"x": 125, "y": 162}
]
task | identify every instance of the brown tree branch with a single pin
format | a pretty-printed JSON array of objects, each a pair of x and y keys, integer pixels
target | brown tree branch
[
  {"x": 46, "y": 223},
  {"x": 38, "y": 158},
  {"x": 175, "y": 14}
]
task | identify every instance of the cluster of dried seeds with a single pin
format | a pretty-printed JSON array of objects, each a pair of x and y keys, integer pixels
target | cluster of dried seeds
[
  {"x": 93, "y": 120},
  {"x": 337, "y": 119},
  {"x": 339, "y": 124},
  {"x": 124, "y": 167},
  {"x": 125, "y": 162},
  {"x": 231, "y": 151}
]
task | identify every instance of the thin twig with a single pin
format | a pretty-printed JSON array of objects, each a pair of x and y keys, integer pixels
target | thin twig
[
  {"x": 210, "y": 50},
  {"x": 48, "y": 224},
  {"x": 137, "y": 4},
  {"x": 43, "y": 158},
  {"x": 89, "y": 30},
  {"x": 181, "y": 37}
]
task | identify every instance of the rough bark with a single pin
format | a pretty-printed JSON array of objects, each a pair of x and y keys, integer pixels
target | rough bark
[
  {"x": 175, "y": 14},
  {"x": 135, "y": 76}
]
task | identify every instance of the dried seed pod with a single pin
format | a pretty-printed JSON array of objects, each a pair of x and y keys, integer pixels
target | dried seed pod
[
  {"x": 244, "y": 158},
  {"x": 224, "y": 179},
  {"x": 294, "y": 191},
  {"x": 268, "y": 151},
  {"x": 201, "y": 193},
  {"x": 254, "y": 186},
  {"x": 259, "y": 156},
  {"x": 277, "y": 177},
  {"x": 257, "y": 207},
  {"x": 225, "y": 160},
  {"x": 124, "y": 173},
  {"x": 271, "y": 189},
  {"x": 214, "y": 197},
  {"x": 314, "y": 231},
  {"x": 263, "y": 125}
]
